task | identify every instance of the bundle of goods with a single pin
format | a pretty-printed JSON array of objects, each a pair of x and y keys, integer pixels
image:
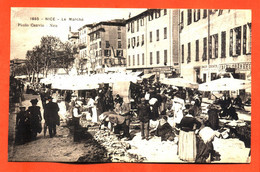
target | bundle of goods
[{"x": 116, "y": 150}]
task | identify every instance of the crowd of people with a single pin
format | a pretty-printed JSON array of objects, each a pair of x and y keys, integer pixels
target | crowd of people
[{"x": 152, "y": 101}]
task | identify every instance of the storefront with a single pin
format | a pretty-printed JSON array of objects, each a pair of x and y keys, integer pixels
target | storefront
[{"x": 239, "y": 70}]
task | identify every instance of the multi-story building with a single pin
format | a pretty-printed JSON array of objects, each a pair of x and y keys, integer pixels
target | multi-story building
[
  {"x": 83, "y": 44},
  {"x": 107, "y": 46},
  {"x": 214, "y": 42},
  {"x": 152, "y": 42}
]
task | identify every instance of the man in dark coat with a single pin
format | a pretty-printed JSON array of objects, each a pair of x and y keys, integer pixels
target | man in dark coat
[
  {"x": 51, "y": 116},
  {"x": 144, "y": 113}
]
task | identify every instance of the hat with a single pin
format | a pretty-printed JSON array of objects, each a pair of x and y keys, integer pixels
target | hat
[
  {"x": 49, "y": 97},
  {"x": 34, "y": 101}
]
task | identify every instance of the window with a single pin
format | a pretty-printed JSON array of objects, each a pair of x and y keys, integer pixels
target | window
[
  {"x": 91, "y": 37},
  {"x": 142, "y": 21},
  {"x": 204, "y": 77},
  {"x": 181, "y": 21},
  {"x": 132, "y": 27},
  {"x": 197, "y": 50},
  {"x": 220, "y": 12},
  {"x": 129, "y": 43},
  {"x": 196, "y": 15},
  {"x": 137, "y": 41},
  {"x": 133, "y": 60},
  {"x": 128, "y": 27},
  {"x": 151, "y": 37},
  {"x": 107, "y": 53},
  {"x": 204, "y": 55},
  {"x": 189, "y": 56},
  {"x": 150, "y": 18},
  {"x": 133, "y": 42},
  {"x": 119, "y": 44},
  {"x": 213, "y": 46},
  {"x": 158, "y": 13},
  {"x": 98, "y": 35},
  {"x": 165, "y": 57},
  {"x": 119, "y": 53},
  {"x": 138, "y": 60},
  {"x": 99, "y": 44},
  {"x": 137, "y": 25},
  {"x": 165, "y": 33},
  {"x": 165, "y": 11},
  {"x": 247, "y": 38},
  {"x": 100, "y": 52},
  {"x": 235, "y": 41},
  {"x": 151, "y": 58},
  {"x": 182, "y": 53},
  {"x": 142, "y": 39},
  {"x": 119, "y": 35},
  {"x": 118, "y": 28},
  {"x": 189, "y": 16},
  {"x": 107, "y": 44},
  {"x": 157, "y": 35},
  {"x": 129, "y": 61},
  {"x": 223, "y": 44},
  {"x": 158, "y": 57},
  {"x": 205, "y": 13},
  {"x": 213, "y": 76},
  {"x": 143, "y": 59},
  {"x": 231, "y": 43}
]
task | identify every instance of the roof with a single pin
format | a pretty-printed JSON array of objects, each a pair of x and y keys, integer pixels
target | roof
[
  {"x": 86, "y": 25},
  {"x": 145, "y": 13}
]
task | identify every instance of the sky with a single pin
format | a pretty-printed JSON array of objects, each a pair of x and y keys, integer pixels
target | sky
[{"x": 28, "y": 25}]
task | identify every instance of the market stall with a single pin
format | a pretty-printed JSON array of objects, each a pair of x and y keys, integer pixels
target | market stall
[{"x": 179, "y": 82}]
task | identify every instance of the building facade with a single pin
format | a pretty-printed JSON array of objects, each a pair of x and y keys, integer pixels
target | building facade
[
  {"x": 83, "y": 45},
  {"x": 152, "y": 42},
  {"x": 107, "y": 46},
  {"x": 214, "y": 42}
]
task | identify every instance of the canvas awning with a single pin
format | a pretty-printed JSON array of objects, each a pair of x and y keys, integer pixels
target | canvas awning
[
  {"x": 179, "y": 82},
  {"x": 225, "y": 84}
]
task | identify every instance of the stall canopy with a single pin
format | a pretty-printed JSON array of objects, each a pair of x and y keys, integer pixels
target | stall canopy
[
  {"x": 179, "y": 82},
  {"x": 86, "y": 82},
  {"x": 148, "y": 76},
  {"x": 225, "y": 84},
  {"x": 21, "y": 77}
]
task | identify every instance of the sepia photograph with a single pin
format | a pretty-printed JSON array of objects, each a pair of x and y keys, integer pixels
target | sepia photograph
[{"x": 130, "y": 85}]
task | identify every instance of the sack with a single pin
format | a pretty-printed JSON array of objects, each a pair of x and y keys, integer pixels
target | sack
[{"x": 39, "y": 128}]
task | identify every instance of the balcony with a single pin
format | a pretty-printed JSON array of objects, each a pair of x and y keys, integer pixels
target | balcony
[{"x": 82, "y": 46}]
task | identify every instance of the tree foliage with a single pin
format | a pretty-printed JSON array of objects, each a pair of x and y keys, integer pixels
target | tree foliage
[{"x": 52, "y": 53}]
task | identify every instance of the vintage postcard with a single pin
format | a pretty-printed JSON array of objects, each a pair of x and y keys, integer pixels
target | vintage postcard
[{"x": 150, "y": 85}]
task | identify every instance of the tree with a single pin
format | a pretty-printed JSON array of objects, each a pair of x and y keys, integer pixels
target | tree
[
  {"x": 34, "y": 58},
  {"x": 52, "y": 53},
  {"x": 66, "y": 56},
  {"x": 50, "y": 45}
]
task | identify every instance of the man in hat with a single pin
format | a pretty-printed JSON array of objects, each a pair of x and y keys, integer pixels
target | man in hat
[
  {"x": 144, "y": 117},
  {"x": 35, "y": 118},
  {"x": 51, "y": 116}
]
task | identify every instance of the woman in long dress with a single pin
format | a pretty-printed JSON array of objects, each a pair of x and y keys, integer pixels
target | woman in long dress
[{"x": 187, "y": 150}]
